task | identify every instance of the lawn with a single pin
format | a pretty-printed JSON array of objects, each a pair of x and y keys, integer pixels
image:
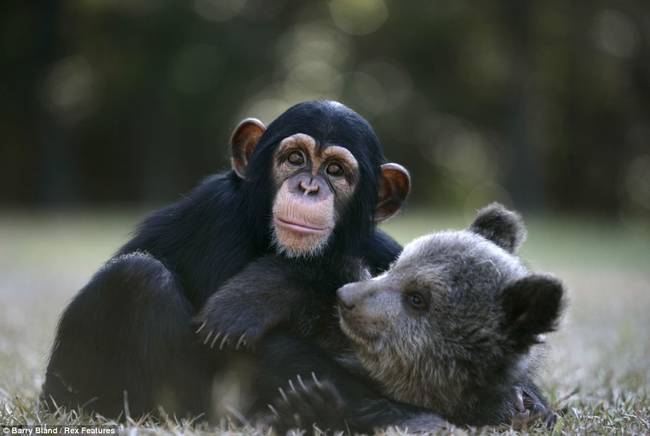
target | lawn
[{"x": 597, "y": 372}]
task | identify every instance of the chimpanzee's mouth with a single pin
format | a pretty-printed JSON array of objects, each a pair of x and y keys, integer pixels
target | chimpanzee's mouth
[{"x": 299, "y": 227}]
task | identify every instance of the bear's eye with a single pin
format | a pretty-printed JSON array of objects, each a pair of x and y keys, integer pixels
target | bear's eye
[{"x": 416, "y": 300}]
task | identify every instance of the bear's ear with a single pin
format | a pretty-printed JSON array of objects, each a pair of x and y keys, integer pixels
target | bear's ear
[
  {"x": 501, "y": 226},
  {"x": 531, "y": 305}
]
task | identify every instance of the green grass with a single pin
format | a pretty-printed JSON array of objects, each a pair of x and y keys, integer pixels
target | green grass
[{"x": 597, "y": 371}]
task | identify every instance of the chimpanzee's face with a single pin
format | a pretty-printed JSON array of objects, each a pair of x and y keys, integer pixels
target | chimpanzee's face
[
  {"x": 315, "y": 180},
  {"x": 313, "y": 185}
]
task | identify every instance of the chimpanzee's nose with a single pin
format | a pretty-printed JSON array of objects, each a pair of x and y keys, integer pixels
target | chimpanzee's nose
[
  {"x": 346, "y": 297},
  {"x": 308, "y": 187}
]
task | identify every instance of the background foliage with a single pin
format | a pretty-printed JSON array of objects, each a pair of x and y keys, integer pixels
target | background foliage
[{"x": 541, "y": 104}]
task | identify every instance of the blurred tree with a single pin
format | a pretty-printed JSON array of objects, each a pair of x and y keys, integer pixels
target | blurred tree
[{"x": 544, "y": 104}]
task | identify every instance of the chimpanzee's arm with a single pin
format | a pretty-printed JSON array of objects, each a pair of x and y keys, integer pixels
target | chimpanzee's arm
[
  {"x": 251, "y": 303},
  {"x": 318, "y": 390}
]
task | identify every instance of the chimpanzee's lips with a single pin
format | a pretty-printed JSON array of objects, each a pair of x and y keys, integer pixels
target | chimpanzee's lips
[{"x": 298, "y": 227}]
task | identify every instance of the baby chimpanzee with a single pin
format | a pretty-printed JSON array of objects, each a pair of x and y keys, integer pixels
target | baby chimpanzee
[{"x": 451, "y": 327}]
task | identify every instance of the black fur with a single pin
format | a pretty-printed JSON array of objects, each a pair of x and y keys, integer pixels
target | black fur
[
  {"x": 129, "y": 331},
  {"x": 271, "y": 292}
]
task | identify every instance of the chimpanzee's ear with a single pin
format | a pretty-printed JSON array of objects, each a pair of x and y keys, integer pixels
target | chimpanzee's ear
[
  {"x": 501, "y": 226},
  {"x": 532, "y": 305},
  {"x": 394, "y": 187},
  {"x": 243, "y": 141}
]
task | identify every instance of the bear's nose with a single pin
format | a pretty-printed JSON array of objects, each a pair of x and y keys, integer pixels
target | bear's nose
[{"x": 346, "y": 296}]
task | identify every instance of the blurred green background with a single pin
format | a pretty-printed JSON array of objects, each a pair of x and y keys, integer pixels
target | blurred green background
[{"x": 544, "y": 105}]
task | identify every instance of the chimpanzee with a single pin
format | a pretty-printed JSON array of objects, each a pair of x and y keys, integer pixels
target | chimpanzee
[{"x": 309, "y": 189}]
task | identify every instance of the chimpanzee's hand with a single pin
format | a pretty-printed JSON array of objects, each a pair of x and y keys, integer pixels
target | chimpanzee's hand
[
  {"x": 307, "y": 403},
  {"x": 529, "y": 408},
  {"x": 229, "y": 320}
]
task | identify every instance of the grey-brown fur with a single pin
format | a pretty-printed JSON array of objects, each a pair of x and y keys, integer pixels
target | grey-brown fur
[{"x": 463, "y": 354}]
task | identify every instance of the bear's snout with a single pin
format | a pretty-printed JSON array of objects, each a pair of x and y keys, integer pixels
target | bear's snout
[
  {"x": 345, "y": 296},
  {"x": 350, "y": 295}
]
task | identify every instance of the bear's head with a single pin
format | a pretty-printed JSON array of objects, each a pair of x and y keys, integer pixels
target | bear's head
[{"x": 456, "y": 315}]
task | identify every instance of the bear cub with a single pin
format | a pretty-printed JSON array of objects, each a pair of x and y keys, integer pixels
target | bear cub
[{"x": 455, "y": 323}]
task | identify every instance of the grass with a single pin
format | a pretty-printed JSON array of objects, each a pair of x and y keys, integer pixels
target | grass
[{"x": 597, "y": 372}]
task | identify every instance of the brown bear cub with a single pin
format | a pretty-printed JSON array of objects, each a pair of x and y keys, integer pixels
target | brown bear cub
[
  {"x": 454, "y": 324},
  {"x": 453, "y": 328}
]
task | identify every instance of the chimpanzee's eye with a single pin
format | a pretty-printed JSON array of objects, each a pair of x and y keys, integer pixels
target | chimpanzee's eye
[
  {"x": 334, "y": 170},
  {"x": 296, "y": 158},
  {"x": 416, "y": 300}
]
